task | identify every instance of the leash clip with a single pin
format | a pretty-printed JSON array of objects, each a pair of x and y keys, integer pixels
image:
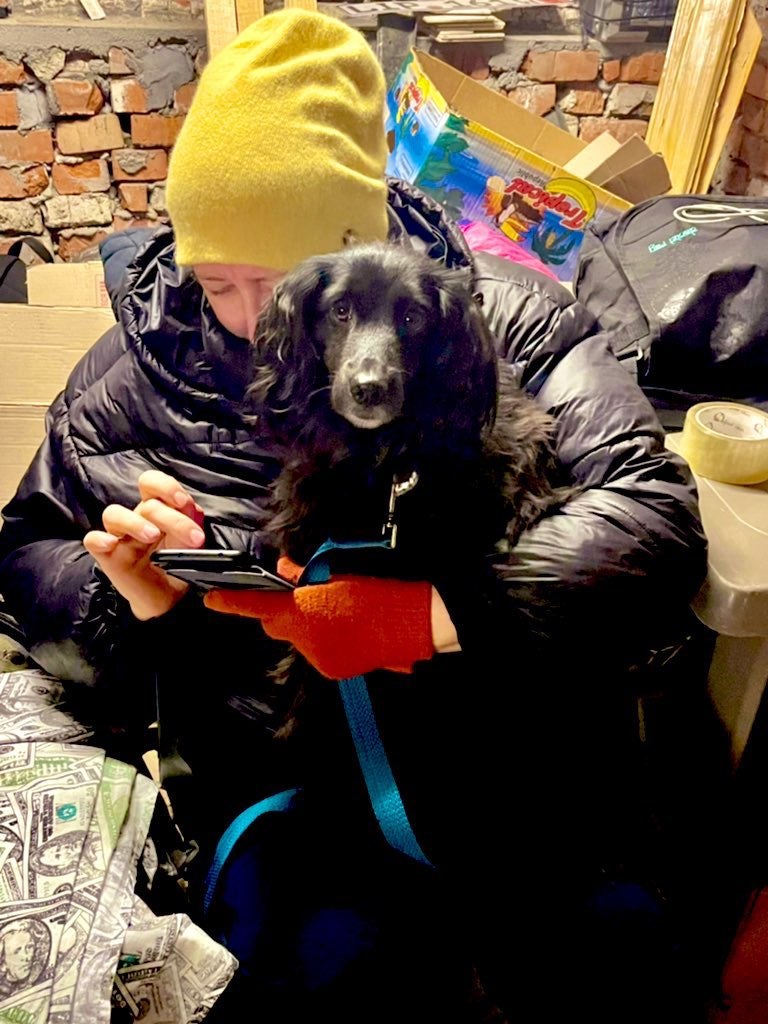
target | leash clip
[{"x": 399, "y": 487}]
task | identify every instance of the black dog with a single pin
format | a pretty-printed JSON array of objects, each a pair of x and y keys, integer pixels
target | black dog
[{"x": 374, "y": 370}]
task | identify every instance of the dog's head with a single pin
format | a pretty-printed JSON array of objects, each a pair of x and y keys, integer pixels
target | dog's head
[{"x": 375, "y": 335}]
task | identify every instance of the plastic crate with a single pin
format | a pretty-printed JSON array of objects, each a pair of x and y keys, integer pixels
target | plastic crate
[{"x": 604, "y": 19}]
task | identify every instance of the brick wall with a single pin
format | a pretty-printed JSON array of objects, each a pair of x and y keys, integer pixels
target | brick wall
[
  {"x": 592, "y": 90},
  {"x": 84, "y": 139},
  {"x": 85, "y": 131},
  {"x": 743, "y": 169}
]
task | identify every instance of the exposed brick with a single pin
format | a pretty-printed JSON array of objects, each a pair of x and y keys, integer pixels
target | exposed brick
[
  {"x": 562, "y": 65},
  {"x": 139, "y": 165},
  {"x": 757, "y": 83},
  {"x": 182, "y": 98},
  {"x": 583, "y": 101},
  {"x": 129, "y": 96},
  {"x": 100, "y": 133},
  {"x": 75, "y": 97},
  {"x": 629, "y": 98},
  {"x": 611, "y": 70},
  {"x": 20, "y": 218},
  {"x": 72, "y": 246},
  {"x": 34, "y": 147},
  {"x": 540, "y": 66},
  {"x": 754, "y": 113},
  {"x": 758, "y": 187},
  {"x": 155, "y": 130},
  {"x": 581, "y": 66},
  {"x": 737, "y": 180},
  {"x": 133, "y": 196},
  {"x": 21, "y": 183},
  {"x": 621, "y": 130},
  {"x": 11, "y": 73},
  {"x": 643, "y": 67},
  {"x": 121, "y": 62},
  {"x": 74, "y": 179},
  {"x": 539, "y": 99},
  {"x": 121, "y": 223},
  {"x": 9, "y": 110},
  {"x": 77, "y": 211},
  {"x": 754, "y": 153}
]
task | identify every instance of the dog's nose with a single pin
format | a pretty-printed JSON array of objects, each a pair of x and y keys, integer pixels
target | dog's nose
[{"x": 368, "y": 393}]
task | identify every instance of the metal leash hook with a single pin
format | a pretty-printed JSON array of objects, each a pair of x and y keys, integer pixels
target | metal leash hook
[{"x": 399, "y": 487}]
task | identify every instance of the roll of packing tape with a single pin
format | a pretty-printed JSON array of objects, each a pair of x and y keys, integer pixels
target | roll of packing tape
[{"x": 727, "y": 442}]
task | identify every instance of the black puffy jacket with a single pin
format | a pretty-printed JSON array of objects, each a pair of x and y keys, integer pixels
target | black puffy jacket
[{"x": 596, "y": 584}]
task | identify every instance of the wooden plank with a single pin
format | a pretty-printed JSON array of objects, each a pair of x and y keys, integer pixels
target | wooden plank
[
  {"x": 747, "y": 48},
  {"x": 700, "y": 51},
  {"x": 468, "y": 37},
  {"x": 220, "y": 24},
  {"x": 248, "y": 11},
  {"x": 463, "y": 19}
]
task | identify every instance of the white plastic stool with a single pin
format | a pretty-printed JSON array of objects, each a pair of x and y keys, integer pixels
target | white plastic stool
[{"x": 734, "y": 599}]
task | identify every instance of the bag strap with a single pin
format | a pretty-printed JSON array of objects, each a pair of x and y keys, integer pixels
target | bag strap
[
  {"x": 279, "y": 802},
  {"x": 377, "y": 772},
  {"x": 34, "y": 244}
]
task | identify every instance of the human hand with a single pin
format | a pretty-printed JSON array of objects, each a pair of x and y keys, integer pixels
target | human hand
[
  {"x": 346, "y": 627},
  {"x": 165, "y": 517}
]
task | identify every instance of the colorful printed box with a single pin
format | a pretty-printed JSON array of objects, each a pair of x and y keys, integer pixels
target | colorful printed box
[{"x": 485, "y": 158}]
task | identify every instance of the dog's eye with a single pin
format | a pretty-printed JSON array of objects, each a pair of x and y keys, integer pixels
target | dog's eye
[
  {"x": 341, "y": 311},
  {"x": 413, "y": 320}
]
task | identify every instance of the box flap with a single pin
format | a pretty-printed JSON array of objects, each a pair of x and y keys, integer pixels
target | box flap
[
  {"x": 631, "y": 152},
  {"x": 476, "y": 102},
  {"x": 645, "y": 179},
  {"x": 593, "y": 155},
  {"x": 67, "y": 284}
]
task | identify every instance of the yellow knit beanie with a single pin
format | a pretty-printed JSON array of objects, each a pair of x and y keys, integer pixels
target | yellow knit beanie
[{"x": 283, "y": 150}]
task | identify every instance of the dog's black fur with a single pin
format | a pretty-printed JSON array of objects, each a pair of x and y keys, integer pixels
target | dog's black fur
[{"x": 377, "y": 361}]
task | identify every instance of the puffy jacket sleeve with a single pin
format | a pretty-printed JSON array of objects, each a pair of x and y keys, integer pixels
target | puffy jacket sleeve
[{"x": 627, "y": 554}]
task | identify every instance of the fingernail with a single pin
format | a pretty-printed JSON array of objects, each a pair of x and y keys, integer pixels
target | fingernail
[
  {"x": 181, "y": 499},
  {"x": 150, "y": 533},
  {"x": 196, "y": 537}
]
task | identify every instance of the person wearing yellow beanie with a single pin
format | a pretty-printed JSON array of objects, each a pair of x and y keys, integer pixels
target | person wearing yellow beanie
[
  {"x": 283, "y": 151},
  {"x": 148, "y": 446}
]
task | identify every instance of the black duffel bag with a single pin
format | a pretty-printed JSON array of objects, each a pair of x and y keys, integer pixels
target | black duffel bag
[{"x": 680, "y": 283}]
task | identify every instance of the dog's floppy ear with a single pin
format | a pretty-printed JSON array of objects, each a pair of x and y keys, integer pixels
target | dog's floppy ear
[
  {"x": 286, "y": 362},
  {"x": 466, "y": 355}
]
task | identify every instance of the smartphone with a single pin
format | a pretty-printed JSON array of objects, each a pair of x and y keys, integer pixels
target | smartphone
[{"x": 223, "y": 568}]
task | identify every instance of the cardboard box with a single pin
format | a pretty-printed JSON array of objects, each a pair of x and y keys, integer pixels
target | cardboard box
[
  {"x": 484, "y": 157},
  {"x": 631, "y": 170},
  {"x": 22, "y": 429},
  {"x": 592, "y": 156},
  {"x": 38, "y": 349},
  {"x": 39, "y": 346},
  {"x": 67, "y": 284}
]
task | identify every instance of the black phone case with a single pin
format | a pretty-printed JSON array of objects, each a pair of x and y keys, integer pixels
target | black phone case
[{"x": 220, "y": 569}]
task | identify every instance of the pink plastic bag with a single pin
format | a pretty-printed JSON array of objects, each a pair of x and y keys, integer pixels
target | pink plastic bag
[{"x": 484, "y": 238}]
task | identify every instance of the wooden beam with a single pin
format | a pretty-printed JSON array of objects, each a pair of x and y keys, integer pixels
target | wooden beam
[
  {"x": 220, "y": 24},
  {"x": 247, "y": 12},
  {"x": 705, "y": 63}
]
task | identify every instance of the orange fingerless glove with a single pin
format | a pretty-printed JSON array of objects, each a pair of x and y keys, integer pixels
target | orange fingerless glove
[{"x": 347, "y": 627}]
